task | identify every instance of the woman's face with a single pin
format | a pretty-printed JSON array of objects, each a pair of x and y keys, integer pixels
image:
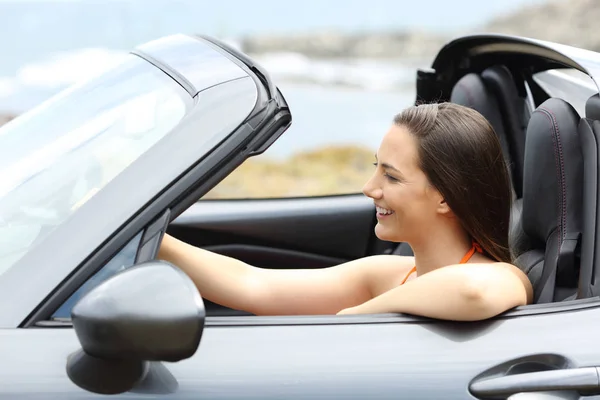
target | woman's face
[{"x": 407, "y": 205}]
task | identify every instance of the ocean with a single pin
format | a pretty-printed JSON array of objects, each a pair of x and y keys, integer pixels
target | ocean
[{"x": 48, "y": 45}]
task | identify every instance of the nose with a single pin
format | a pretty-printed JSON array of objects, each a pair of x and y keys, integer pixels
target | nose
[{"x": 372, "y": 189}]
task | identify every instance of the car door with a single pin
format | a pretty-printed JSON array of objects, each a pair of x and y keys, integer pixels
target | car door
[
  {"x": 542, "y": 350},
  {"x": 537, "y": 350}
]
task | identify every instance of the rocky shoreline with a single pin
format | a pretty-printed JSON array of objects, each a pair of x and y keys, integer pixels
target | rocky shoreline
[
  {"x": 384, "y": 45},
  {"x": 571, "y": 22},
  {"x": 568, "y": 22}
]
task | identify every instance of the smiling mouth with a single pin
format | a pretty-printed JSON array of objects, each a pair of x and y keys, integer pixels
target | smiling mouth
[{"x": 383, "y": 212}]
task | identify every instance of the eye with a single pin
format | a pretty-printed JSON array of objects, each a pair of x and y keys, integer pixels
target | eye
[
  {"x": 375, "y": 164},
  {"x": 391, "y": 178}
]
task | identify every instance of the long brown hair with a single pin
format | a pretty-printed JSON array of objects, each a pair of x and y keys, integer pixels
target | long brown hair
[{"x": 460, "y": 154}]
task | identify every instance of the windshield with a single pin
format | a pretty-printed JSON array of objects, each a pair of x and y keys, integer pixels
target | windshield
[{"x": 55, "y": 158}]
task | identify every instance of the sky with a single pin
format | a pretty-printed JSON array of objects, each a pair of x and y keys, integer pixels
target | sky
[{"x": 242, "y": 17}]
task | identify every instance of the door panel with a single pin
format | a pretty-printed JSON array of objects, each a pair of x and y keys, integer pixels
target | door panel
[
  {"x": 376, "y": 357},
  {"x": 315, "y": 232},
  {"x": 282, "y": 233}
]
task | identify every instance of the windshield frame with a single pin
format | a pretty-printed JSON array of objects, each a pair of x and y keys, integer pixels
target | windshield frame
[
  {"x": 219, "y": 112},
  {"x": 63, "y": 152}
]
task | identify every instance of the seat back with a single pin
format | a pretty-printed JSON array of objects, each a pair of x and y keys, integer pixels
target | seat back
[
  {"x": 552, "y": 201},
  {"x": 515, "y": 117},
  {"x": 494, "y": 94}
]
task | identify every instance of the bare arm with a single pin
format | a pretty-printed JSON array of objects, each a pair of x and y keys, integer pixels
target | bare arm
[
  {"x": 466, "y": 292},
  {"x": 221, "y": 279},
  {"x": 235, "y": 284}
]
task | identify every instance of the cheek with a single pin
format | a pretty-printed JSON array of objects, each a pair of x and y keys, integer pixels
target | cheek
[
  {"x": 410, "y": 202},
  {"x": 402, "y": 196}
]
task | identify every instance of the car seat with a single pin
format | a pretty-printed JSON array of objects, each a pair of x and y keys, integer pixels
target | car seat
[{"x": 552, "y": 202}]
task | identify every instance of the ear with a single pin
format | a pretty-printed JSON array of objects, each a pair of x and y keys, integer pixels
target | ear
[
  {"x": 437, "y": 200},
  {"x": 440, "y": 204},
  {"x": 443, "y": 207}
]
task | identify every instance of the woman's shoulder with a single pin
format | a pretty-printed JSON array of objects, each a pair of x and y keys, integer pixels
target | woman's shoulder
[
  {"x": 519, "y": 273},
  {"x": 494, "y": 272},
  {"x": 515, "y": 270},
  {"x": 386, "y": 272}
]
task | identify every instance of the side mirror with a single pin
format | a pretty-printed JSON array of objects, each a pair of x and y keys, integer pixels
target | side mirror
[{"x": 146, "y": 314}]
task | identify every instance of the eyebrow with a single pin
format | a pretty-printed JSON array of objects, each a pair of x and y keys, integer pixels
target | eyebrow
[{"x": 388, "y": 166}]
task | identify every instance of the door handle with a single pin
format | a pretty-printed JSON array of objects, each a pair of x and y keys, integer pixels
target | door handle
[{"x": 585, "y": 380}]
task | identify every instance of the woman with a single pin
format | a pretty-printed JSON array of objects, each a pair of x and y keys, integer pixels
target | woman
[{"x": 441, "y": 185}]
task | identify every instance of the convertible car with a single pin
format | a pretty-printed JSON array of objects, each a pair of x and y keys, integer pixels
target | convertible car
[{"x": 92, "y": 180}]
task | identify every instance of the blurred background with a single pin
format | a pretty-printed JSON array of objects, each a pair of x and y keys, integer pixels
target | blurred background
[{"x": 346, "y": 67}]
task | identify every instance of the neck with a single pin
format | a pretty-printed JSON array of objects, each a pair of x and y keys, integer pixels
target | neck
[{"x": 446, "y": 246}]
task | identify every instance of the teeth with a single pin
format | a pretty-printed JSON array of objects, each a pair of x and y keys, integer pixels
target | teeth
[{"x": 384, "y": 211}]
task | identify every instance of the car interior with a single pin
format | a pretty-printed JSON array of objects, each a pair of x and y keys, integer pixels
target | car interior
[
  {"x": 551, "y": 151},
  {"x": 544, "y": 148},
  {"x": 544, "y": 143},
  {"x": 546, "y": 217}
]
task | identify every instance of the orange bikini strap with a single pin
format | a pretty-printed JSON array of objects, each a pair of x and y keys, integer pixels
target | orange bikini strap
[
  {"x": 413, "y": 269},
  {"x": 475, "y": 247}
]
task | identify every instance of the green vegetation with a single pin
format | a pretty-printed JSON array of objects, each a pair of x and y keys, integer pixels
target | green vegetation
[{"x": 324, "y": 171}]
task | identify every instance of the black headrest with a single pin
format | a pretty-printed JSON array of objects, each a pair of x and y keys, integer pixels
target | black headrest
[
  {"x": 472, "y": 92},
  {"x": 516, "y": 115},
  {"x": 552, "y": 195}
]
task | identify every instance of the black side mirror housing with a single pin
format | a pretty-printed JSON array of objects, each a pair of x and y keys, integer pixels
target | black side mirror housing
[{"x": 149, "y": 313}]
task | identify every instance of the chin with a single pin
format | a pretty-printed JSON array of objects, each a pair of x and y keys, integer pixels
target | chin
[{"x": 388, "y": 235}]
